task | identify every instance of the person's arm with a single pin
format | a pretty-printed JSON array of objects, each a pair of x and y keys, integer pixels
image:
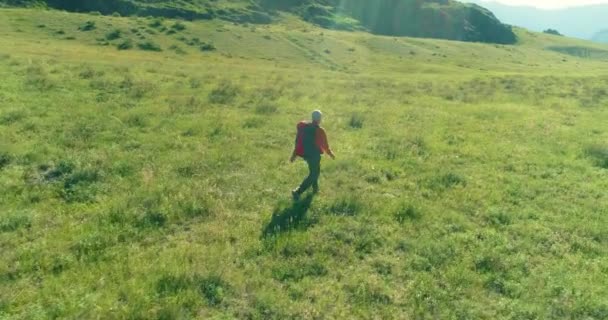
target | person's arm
[
  {"x": 323, "y": 144},
  {"x": 294, "y": 154}
]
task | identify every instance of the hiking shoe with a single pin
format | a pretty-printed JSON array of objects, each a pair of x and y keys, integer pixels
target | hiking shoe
[{"x": 295, "y": 195}]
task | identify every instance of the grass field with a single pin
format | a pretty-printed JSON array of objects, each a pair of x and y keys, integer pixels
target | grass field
[{"x": 152, "y": 182}]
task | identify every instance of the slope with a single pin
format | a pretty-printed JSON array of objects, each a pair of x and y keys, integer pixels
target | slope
[{"x": 152, "y": 182}]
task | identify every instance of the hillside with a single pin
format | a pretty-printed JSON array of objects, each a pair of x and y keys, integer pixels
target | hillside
[
  {"x": 443, "y": 19},
  {"x": 144, "y": 173},
  {"x": 580, "y": 22}
]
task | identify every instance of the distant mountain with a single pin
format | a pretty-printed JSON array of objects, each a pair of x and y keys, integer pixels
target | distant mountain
[
  {"x": 580, "y": 22},
  {"x": 443, "y": 19},
  {"x": 601, "y": 36}
]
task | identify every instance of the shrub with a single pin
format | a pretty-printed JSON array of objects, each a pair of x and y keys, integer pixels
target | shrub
[
  {"x": 407, "y": 212},
  {"x": 346, "y": 207},
  {"x": 12, "y": 117},
  {"x": 553, "y": 32},
  {"x": 91, "y": 247},
  {"x": 266, "y": 108},
  {"x": 149, "y": 46},
  {"x": 38, "y": 78},
  {"x": 171, "y": 285},
  {"x": 125, "y": 45},
  {"x": 489, "y": 264},
  {"x": 368, "y": 294},
  {"x": 498, "y": 218},
  {"x": 136, "y": 121},
  {"x": 213, "y": 289},
  {"x": 116, "y": 14},
  {"x": 447, "y": 181},
  {"x": 113, "y": 35},
  {"x": 156, "y": 23},
  {"x": 299, "y": 271},
  {"x": 599, "y": 154},
  {"x": 88, "y": 73},
  {"x": 224, "y": 93},
  {"x": 207, "y": 47},
  {"x": 88, "y": 26},
  {"x": 153, "y": 219},
  {"x": 50, "y": 174},
  {"x": 5, "y": 159},
  {"x": 195, "y": 209},
  {"x": 178, "y": 26},
  {"x": 14, "y": 222},
  {"x": 76, "y": 187},
  {"x": 356, "y": 121},
  {"x": 177, "y": 49}
]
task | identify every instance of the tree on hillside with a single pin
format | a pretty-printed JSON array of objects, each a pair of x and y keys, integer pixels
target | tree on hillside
[{"x": 553, "y": 32}]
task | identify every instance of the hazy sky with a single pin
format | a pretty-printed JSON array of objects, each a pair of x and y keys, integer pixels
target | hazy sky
[{"x": 551, "y": 4}]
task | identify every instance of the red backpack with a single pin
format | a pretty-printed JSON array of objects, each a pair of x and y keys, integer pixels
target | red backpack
[{"x": 305, "y": 139}]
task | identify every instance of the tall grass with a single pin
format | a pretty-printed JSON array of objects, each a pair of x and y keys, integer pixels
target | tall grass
[{"x": 145, "y": 185}]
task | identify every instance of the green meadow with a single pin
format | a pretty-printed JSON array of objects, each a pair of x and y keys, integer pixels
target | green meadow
[{"x": 144, "y": 173}]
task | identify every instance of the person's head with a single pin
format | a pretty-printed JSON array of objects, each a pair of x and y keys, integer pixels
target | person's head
[{"x": 317, "y": 116}]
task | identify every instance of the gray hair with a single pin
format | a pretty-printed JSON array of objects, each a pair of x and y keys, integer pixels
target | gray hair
[{"x": 317, "y": 115}]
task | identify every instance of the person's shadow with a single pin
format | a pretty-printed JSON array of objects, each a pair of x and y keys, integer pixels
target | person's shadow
[{"x": 290, "y": 218}]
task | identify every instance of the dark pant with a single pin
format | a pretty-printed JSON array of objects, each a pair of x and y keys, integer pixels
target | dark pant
[{"x": 314, "y": 171}]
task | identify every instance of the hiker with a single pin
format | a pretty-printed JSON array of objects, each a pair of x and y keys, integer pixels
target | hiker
[{"x": 311, "y": 143}]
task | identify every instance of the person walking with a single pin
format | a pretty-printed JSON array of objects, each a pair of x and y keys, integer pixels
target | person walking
[{"x": 311, "y": 143}]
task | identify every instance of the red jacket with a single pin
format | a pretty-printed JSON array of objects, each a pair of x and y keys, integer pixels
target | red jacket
[{"x": 320, "y": 138}]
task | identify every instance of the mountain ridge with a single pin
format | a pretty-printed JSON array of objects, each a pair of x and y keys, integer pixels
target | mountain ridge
[
  {"x": 580, "y": 22},
  {"x": 442, "y": 19}
]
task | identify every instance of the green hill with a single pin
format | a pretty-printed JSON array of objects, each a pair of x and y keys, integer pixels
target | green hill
[
  {"x": 144, "y": 173},
  {"x": 443, "y": 19}
]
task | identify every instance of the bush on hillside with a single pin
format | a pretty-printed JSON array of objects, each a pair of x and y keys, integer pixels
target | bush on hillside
[
  {"x": 207, "y": 47},
  {"x": 553, "y": 32},
  {"x": 346, "y": 207},
  {"x": 224, "y": 93},
  {"x": 177, "y": 49},
  {"x": 178, "y": 26},
  {"x": 149, "y": 46},
  {"x": 266, "y": 108},
  {"x": 5, "y": 159},
  {"x": 88, "y": 26},
  {"x": 407, "y": 212},
  {"x": 14, "y": 222},
  {"x": 113, "y": 35},
  {"x": 356, "y": 121},
  {"x": 125, "y": 45},
  {"x": 599, "y": 154},
  {"x": 156, "y": 23}
]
